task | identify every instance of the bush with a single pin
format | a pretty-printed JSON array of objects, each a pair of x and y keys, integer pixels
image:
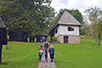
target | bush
[
  {"x": 48, "y": 38},
  {"x": 35, "y": 40},
  {"x": 7, "y": 37},
  {"x": 28, "y": 39},
  {"x": 54, "y": 38}
]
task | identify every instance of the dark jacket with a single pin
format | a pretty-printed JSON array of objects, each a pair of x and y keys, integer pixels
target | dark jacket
[
  {"x": 46, "y": 45},
  {"x": 51, "y": 51}
]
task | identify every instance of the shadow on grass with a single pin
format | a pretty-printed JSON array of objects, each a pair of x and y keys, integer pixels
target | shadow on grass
[{"x": 4, "y": 63}]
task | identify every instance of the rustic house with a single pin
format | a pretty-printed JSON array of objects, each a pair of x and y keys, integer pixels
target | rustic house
[
  {"x": 66, "y": 29},
  {"x": 3, "y": 36},
  {"x": 17, "y": 35},
  {"x": 40, "y": 36}
]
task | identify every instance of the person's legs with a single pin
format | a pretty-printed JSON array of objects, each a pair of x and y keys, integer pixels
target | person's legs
[
  {"x": 40, "y": 58},
  {"x": 51, "y": 60},
  {"x": 46, "y": 48},
  {"x": 46, "y": 57},
  {"x": 52, "y": 57}
]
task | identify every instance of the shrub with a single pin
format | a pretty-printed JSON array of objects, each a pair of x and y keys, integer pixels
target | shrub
[
  {"x": 7, "y": 37},
  {"x": 54, "y": 38},
  {"x": 28, "y": 39},
  {"x": 48, "y": 38},
  {"x": 35, "y": 40}
]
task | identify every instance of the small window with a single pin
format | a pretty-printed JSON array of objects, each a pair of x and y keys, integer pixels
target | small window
[{"x": 70, "y": 29}]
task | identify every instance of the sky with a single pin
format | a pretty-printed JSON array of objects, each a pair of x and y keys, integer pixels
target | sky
[{"x": 81, "y": 5}]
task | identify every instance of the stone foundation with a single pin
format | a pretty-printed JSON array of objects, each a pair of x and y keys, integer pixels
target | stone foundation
[
  {"x": 60, "y": 39},
  {"x": 74, "y": 39},
  {"x": 71, "y": 39}
]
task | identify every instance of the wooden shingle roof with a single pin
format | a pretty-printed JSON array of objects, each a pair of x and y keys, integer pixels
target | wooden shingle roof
[
  {"x": 42, "y": 33},
  {"x": 68, "y": 19},
  {"x": 2, "y": 25}
]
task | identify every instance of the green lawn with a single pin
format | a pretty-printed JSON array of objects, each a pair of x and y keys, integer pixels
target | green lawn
[
  {"x": 21, "y": 55},
  {"x": 84, "y": 55},
  {"x": 25, "y": 55}
]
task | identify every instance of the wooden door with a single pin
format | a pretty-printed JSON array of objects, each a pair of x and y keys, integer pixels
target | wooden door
[{"x": 65, "y": 39}]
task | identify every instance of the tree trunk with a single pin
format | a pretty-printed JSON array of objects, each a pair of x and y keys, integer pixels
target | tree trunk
[
  {"x": 0, "y": 47},
  {"x": 0, "y": 51},
  {"x": 96, "y": 40},
  {"x": 99, "y": 39}
]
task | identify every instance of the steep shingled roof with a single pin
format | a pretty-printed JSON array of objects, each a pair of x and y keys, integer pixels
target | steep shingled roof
[
  {"x": 2, "y": 25},
  {"x": 67, "y": 18}
]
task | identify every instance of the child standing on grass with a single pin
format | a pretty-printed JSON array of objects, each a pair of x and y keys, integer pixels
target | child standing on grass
[
  {"x": 40, "y": 53},
  {"x": 51, "y": 51},
  {"x": 46, "y": 55}
]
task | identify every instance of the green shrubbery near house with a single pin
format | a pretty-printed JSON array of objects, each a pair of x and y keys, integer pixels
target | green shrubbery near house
[{"x": 54, "y": 38}]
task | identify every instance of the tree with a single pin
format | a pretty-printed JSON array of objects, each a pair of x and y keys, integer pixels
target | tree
[
  {"x": 30, "y": 16},
  {"x": 86, "y": 29},
  {"x": 95, "y": 16}
]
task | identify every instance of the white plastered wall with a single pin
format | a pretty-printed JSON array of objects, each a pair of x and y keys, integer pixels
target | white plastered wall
[{"x": 63, "y": 30}]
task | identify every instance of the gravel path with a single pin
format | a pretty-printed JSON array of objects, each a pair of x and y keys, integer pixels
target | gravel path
[{"x": 44, "y": 64}]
